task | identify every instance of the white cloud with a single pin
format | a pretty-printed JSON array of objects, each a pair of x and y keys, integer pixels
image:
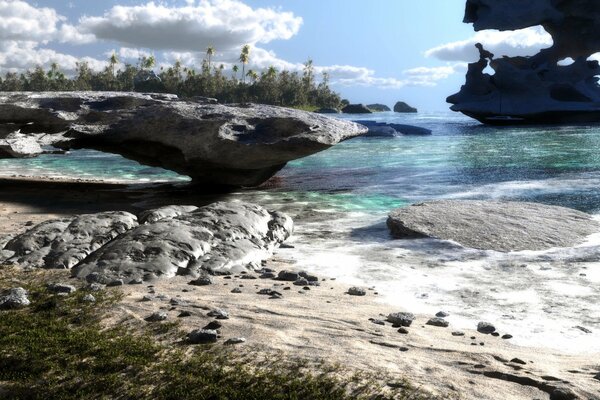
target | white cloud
[
  {"x": 524, "y": 42},
  {"x": 224, "y": 24}
]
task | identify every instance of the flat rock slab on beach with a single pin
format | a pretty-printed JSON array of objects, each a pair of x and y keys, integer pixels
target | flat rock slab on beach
[{"x": 493, "y": 225}]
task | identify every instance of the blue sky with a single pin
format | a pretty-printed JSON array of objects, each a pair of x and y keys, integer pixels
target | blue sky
[{"x": 389, "y": 50}]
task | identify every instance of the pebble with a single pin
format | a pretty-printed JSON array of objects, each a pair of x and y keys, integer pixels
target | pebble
[
  {"x": 356, "y": 291},
  {"x": 301, "y": 282},
  {"x": 213, "y": 325},
  {"x": 202, "y": 336},
  {"x": 583, "y": 329},
  {"x": 202, "y": 281},
  {"x": 61, "y": 288},
  {"x": 518, "y": 361},
  {"x": 507, "y": 336},
  {"x": 147, "y": 298},
  {"x": 442, "y": 314},
  {"x": 218, "y": 314},
  {"x": 268, "y": 275},
  {"x": 14, "y": 298},
  {"x": 403, "y": 331},
  {"x": 485, "y": 327},
  {"x": 249, "y": 277},
  {"x": 233, "y": 341},
  {"x": 401, "y": 318},
  {"x": 289, "y": 276},
  {"x": 309, "y": 277},
  {"x": 377, "y": 321},
  {"x": 440, "y": 322},
  {"x": 89, "y": 298},
  {"x": 496, "y": 334},
  {"x": 184, "y": 314},
  {"x": 403, "y": 349},
  {"x": 157, "y": 316},
  {"x": 458, "y": 333},
  {"x": 236, "y": 290}
]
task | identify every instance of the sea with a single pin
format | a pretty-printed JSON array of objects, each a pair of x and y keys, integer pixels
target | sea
[{"x": 340, "y": 199}]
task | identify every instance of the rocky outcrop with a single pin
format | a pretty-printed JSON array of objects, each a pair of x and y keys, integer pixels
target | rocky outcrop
[
  {"x": 493, "y": 225},
  {"x": 402, "y": 107},
  {"x": 356, "y": 109},
  {"x": 383, "y": 129},
  {"x": 226, "y": 145},
  {"x": 378, "y": 107},
  {"x": 535, "y": 89},
  {"x": 118, "y": 246}
]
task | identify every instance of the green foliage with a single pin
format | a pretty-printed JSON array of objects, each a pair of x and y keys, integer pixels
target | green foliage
[
  {"x": 57, "y": 348},
  {"x": 282, "y": 88}
]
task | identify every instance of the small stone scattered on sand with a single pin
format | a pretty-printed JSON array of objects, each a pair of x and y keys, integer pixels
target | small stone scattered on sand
[
  {"x": 202, "y": 336},
  {"x": 401, "y": 318},
  {"x": 157, "y": 316},
  {"x": 485, "y": 327},
  {"x": 440, "y": 322},
  {"x": 356, "y": 291}
]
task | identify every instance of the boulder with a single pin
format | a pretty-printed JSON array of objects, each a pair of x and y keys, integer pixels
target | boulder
[
  {"x": 221, "y": 238},
  {"x": 214, "y": 144},
  {"x": 356, "y": 109},
  {"x": 378, "y": 107},
  {"x": 383, "y": 129},
  {"x": 14, "y": 298},
  {"x": 493, "y": 225},
  {"x": 402, "y": 107},
  {"x": 536, "y": 89}
]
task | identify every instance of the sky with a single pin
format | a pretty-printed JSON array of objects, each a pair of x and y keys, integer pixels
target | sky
[{"x": 378, "y": 52}]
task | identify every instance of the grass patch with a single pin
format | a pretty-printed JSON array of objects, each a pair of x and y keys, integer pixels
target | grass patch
[{"x": 58, "y": 349}]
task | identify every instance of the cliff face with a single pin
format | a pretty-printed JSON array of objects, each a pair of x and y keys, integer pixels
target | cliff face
[{"x": 535, "y": 89}]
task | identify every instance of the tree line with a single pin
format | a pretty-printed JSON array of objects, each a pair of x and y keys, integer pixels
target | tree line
[{"x": 271, "y": 86}]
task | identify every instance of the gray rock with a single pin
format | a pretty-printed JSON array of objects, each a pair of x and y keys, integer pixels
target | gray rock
[
  {"x": 563, "y": 394},
  {"x": 63, "y": 243},
  {"x": 401, "y": 318},
  {"x": 233, "y": 341},
  {"x": 61, "y": 288},
  {"x": 14, "y": 298},
  {"x": 236, "y": 290},
  {"x": 442, "y": 314},
  {"x": 402, "y": 107},
  {"x": 440, "y": 322},
  {"x": 289, "y": 276},
  {"x": 301, "y": 282},
  {"x": 384, "y": 129},
  {"x": 458, "y": 333},
  {"x": 357, "y": 291},
  {"x": 157, "y": 316},
  {"x": 507, "y": 336},
  {"x": 378, "y": 322},
  {"x": 89, "y": 298},
  {"x": 95, "y": 287},
  {"x": 168, "y": 212},
  {"x": 493, "y": 225},
  {"x": 485, "y": 327},
  {"x": 202, "y": 336},
  {"x": 213, "y": 325},
  {"x": 218, "y": 314},
  {"x": 219, "y": 238},
  {"x": 356, "y": 109},
  {"x": 222, "y": 145},
  {"x": 202, "y": 281},
  {"x": 308, "y": 277}
]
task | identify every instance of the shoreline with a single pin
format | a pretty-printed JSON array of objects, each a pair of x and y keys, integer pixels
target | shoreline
[{"x": 321, "y": 323}]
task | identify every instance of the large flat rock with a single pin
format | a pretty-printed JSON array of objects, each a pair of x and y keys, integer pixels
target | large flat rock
[
  {"x": 215, "y": 144},
  {"x": 493, "y": 225},
  {"x": 220, "y": 238}
]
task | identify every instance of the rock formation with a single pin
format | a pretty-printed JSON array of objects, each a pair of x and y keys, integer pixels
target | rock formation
[
  {"x": 118, "y": 246},
  {"x": 493, "y": 225},
  {"x": 383, "y": 129},
  {"x": 228, "y": 145},
  {"x": 535, "y": 89},
  {"x": 356, "y": 109},
  {"x": 402, "y": 107},
  {"x": 378, "y": 107}
]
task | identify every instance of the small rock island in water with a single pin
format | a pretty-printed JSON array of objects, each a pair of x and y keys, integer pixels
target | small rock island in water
[{"x": 536, "y": 89}]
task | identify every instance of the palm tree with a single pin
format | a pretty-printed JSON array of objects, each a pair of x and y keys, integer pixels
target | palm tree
[
  {"x": 253, "y": 75},
  {"x": 113, "y": 60},
  {"x": 235, "y": 70},
  {"x": 148, "y": 62},
  {"x": 210, "y": 51},
  {"x": 244, "y": 59}
]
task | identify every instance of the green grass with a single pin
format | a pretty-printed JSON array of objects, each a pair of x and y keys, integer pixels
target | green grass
[{"x": 58, "y": 349}]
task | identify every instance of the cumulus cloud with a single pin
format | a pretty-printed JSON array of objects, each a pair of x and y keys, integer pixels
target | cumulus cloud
[
  {"x": 224, "y": 24},
  {"x": 524, "y": 42}
]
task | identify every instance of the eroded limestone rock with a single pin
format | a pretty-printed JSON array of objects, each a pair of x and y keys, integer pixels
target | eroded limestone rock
[
  {"x": 226, "y": 145},
  {"x": 535, "y": 89}
]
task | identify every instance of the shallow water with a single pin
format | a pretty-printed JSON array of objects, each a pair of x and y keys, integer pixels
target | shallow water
[{"x": 340, "y": 199}]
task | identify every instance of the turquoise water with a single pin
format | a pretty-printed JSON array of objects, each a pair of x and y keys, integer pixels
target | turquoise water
[{"x": 462, "y": 159}]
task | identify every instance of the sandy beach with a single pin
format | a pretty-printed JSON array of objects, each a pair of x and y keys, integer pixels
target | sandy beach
[{"x": 323, "y": 322}]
